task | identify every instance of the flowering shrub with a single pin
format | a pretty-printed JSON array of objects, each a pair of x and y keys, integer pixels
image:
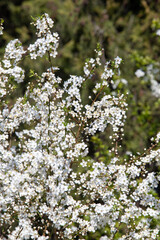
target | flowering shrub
[{"x": 50, "y": 186}]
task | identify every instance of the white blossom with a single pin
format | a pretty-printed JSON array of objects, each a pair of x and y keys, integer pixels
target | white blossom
[{"x": 139, "y": 73}]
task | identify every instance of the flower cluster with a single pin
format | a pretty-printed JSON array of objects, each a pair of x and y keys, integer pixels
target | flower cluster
[
  {"x": 51, "y": 188},
  {"x": 92, "y": 63},
  {"x": 151, "y": 75},
  {"x": 47, "y": 41},
  {"x": 9, "y": 69}
]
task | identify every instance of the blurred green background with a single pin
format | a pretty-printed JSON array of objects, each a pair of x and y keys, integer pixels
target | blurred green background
[{"x": 123, "y": 28}]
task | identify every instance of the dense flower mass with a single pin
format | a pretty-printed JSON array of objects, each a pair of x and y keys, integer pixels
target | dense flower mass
[
  {"x": 47, "y": 41},
  {"x": 51, "y": 188}
]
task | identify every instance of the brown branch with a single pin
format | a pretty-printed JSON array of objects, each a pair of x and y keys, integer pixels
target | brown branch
[{"x": 97, "y": 95}]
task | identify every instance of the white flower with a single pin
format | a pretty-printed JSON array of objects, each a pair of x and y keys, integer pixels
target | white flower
[
  {"x": 139, "y": 73},
  {"x": 117, "y": 61},
  {"x": 158, "y": 32}
]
